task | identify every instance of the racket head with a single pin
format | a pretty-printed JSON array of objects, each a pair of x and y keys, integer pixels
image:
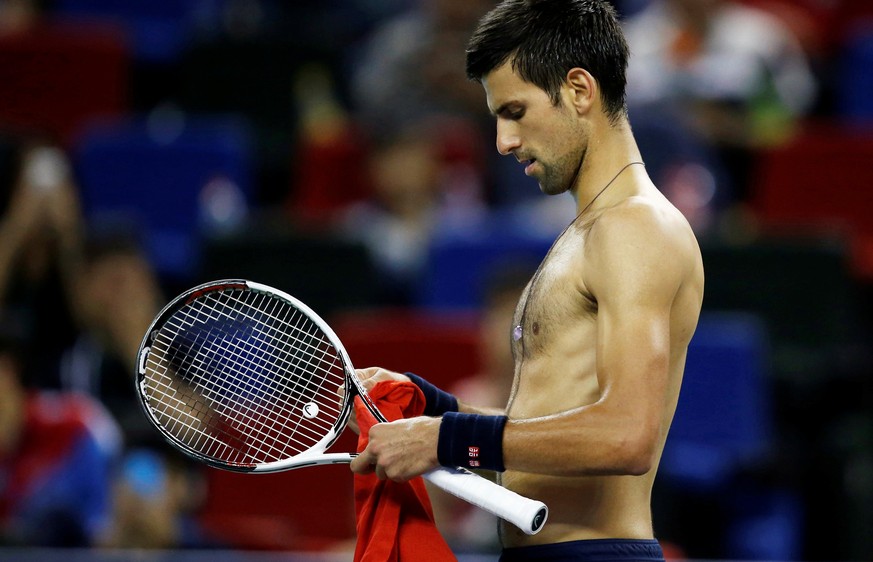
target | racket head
[{"x": 243, "y": 377}]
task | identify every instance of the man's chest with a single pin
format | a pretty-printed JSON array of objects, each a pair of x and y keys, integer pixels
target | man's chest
[{"x": 555, "y": 301}]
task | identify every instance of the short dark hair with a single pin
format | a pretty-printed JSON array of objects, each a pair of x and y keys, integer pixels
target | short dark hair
[{"x": 544, "y": 39}]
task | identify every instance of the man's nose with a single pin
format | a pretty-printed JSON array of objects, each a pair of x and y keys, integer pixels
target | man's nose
[{"x": 507, "y": 140}]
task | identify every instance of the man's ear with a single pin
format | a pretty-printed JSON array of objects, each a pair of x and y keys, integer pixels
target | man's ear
[{"x": 582, "y": 90}]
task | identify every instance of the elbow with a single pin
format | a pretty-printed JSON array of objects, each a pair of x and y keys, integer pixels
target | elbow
[
  {"x": 637, "y": 455},
  {"x": 639, "y": 464}
]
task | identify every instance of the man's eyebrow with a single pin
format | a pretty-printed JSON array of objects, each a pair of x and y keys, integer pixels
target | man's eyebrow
[{"x": 503, "y": 108}]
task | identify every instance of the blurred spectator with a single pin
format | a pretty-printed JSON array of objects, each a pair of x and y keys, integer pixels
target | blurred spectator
[
  {"x": 734, "y": 74},
  {"x": 56, "y": 452},
  {"x": 686, "y": 169},
  {"x": 17, "y": 16},
  {"x": 40, "y": 251},
  {"x": 155, "y": 497},
  {"x": 411, "y": 68},
  {"x": 417, "y": 188},
  {"x": 413, "y": 65},
  {"x": 84, "y": 304},
  {"x": 116, "y": 297},
  {"x": 330, "y": 154},
  {"x": 396, "y": 223}
]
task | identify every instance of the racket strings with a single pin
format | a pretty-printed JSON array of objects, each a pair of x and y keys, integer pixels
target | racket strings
[
  {"x": 240, "y": 355},
  {"x": 307, "y": 357},
  {"x": 245, "y": 420},
  {"x": 201, "y": 419},
  {"x": 300, "y": 353},
  {"x": 252, "y": 363},
  {"x": 176, "y": 416}
]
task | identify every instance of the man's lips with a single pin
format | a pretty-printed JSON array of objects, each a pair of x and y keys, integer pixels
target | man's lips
[{"x": 528, "y": 165}]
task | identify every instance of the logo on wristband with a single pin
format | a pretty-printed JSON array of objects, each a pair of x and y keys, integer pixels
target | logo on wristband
[{"x": 473, "y": 453}]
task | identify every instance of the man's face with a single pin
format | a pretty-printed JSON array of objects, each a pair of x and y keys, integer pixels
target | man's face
[{"x": 549, "y": 140}]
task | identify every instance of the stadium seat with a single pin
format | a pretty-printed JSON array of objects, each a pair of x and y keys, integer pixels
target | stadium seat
[
  {"x": 56, "y": 78},
  {"x": 158, "y": 30},
  {"x": 724, "y": 417},
  {"x": 461, "y": 265},
  {"x": 441, "y": 347},
  {"x": 723, "y": 431},
  {"x": 820, "y": 179},
  {"x": 164, "y": 175},
  {"x": 305, "y": 509},
  {"x": 328, "y": 273},
  {"x": 225, "y": 75},
  {"x": 803, "y": 289},
  {"x": 855, "y": 76}
]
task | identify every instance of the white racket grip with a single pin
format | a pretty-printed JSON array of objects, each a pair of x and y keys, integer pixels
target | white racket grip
[{"x": 526, "y": 514}]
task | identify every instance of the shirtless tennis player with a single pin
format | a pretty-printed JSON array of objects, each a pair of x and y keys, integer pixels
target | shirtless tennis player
[{"x": 602, "y": 330}]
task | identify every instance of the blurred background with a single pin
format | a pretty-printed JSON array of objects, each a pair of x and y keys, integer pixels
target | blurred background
[{"x": 335, "y": 149}]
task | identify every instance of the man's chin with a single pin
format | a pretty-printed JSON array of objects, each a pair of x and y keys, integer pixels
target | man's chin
[{"x": 550, "y": 189}]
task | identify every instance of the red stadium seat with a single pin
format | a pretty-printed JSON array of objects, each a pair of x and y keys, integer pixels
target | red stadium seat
[
  {"x": 441, "y": 347},
  {"x": 55, "y": 78},
  {"x": 304, "y": 509},
  {"x": 821, "y": 179}
]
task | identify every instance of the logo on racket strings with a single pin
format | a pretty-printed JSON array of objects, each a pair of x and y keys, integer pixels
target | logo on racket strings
[{"x": 310, "y": 410}]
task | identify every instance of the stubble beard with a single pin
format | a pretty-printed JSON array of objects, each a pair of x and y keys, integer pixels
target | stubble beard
[{"x": 561, "y": 176}]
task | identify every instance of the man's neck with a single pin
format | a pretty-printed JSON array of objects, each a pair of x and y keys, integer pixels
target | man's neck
[{"x": 610, "y": 149}]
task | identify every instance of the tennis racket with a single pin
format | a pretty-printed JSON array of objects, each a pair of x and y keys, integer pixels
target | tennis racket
[{"x": 243, "y": 377}]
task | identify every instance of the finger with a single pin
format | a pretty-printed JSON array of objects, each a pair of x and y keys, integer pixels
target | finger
[
  {"x": 353, "y": 423},
  {"x": 368, "y": 377},
  {"x": 366, "y": 373},
  {"x": 371, "y": 376},
  {"x": 380, "y": 473},
  {"x": 364, "y": 463}
]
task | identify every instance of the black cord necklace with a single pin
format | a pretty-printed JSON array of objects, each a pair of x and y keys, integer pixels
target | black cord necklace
[{"x": 518, "y": 331}]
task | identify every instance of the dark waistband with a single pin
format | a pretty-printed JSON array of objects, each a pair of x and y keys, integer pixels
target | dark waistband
[{"x": 597, "y": 550}]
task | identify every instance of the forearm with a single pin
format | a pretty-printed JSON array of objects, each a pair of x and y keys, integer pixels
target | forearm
[
  {"x": 465, "y": 408},
  {"x": 10, "y": 246},
  {"x": 582, "y": 442}
]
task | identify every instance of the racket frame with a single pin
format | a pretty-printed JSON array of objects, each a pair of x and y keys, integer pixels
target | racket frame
[{"x": 315, "y": 454}]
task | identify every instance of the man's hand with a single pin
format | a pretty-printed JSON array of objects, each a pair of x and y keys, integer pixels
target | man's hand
[
  {"x": 400, "y": 450},
  {"x": 369, "y": 377}
]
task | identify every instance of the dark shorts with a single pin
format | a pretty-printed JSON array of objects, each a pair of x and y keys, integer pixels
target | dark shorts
[{"x": 599, "y": 550}]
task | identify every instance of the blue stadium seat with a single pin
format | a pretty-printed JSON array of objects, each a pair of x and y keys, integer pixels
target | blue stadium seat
[
  {"x": 158, "y": 30},
  {"x": 460, "y": 265},
  {"x": 156, "y": 175},
  {"x": 724, "y": 416},
  {"x": 855, "y": 77},
  {"x": 723, "y": 430}
]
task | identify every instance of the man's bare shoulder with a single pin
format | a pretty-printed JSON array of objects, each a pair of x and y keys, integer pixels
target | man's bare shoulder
[
  {"x": 640, "y": 240},
  {"x": 642, "y": 221}
]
